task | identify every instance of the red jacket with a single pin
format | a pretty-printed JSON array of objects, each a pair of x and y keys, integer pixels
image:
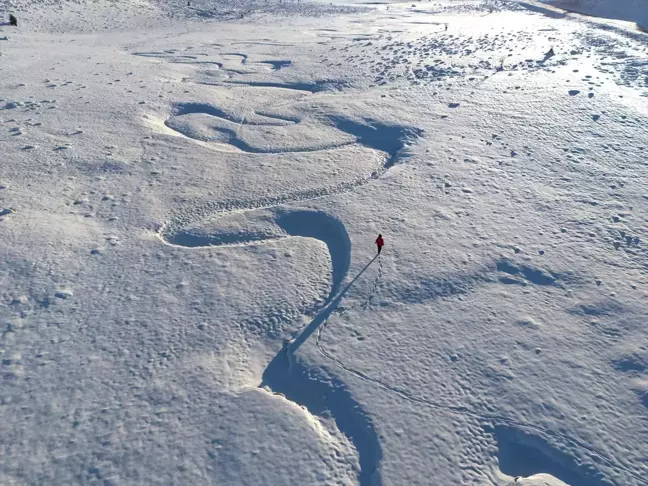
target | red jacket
[{"x": 380, "y": 242}]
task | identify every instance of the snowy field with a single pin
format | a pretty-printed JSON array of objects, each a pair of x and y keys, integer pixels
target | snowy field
[{"x": 190, "y": 293}]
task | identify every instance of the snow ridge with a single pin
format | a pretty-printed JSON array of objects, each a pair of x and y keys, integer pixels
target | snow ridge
[
  {"x": 388, "y": 139},
  {"x": 325, "y": 395}
]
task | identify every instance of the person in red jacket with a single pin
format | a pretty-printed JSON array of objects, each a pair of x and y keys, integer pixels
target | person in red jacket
[{"x": 379, "y": 243}]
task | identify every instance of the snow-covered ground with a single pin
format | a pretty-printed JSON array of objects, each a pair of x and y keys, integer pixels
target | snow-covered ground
[{"x": 189, "y": 197}]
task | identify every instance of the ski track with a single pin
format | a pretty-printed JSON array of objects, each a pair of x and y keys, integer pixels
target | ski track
[{"x": 285, "y": 374}]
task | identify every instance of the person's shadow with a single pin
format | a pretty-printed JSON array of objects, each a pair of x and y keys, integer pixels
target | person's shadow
[
  {"x": 281, "y": 363},
  {"x": 324, "y": 394},
  {"x": 324, "y": 314}
]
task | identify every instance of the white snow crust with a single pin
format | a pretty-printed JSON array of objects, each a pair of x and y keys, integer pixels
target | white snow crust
[{"x": 189, "y": 286}]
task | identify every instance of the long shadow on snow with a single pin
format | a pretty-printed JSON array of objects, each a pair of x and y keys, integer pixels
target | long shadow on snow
[
  {"x": 316, "y": 87},
  {"x": 323, "y": 315},
  {"x": 323, "y": 394}
]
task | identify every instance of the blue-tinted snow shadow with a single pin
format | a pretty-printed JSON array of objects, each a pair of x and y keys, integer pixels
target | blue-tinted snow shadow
[
  {"x": 323, "y": 315},
  {"x": 278, "y": 64},
  {"x": 324, "y": 227},
  {"x": 631, "y": 363},
  {"x": 325, "y": 395},
  {"x": 522, "y": 454},
  {"x": 195, "y": 108},
  {"x": 543, "y": 10},
  {"x": 378, "y": 136},
  {"x": 191, "y": 239},
  {"x": 536, "y": 276},
  {"x": 314, "y": 87}
]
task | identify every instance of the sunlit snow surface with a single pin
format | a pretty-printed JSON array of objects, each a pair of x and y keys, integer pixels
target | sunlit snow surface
[{"x": 189, "y": 197}]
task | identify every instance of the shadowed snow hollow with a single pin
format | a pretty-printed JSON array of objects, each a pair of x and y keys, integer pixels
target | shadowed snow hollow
[{"x": 628, "y": 10}]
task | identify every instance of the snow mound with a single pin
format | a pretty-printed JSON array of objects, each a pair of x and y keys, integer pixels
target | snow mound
[
  {"x": 628, "y": 10},
  {"x": 540, "y": 480}
]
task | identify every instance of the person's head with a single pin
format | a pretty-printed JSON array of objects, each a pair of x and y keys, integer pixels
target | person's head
[{"x": 379, "y": 235}]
